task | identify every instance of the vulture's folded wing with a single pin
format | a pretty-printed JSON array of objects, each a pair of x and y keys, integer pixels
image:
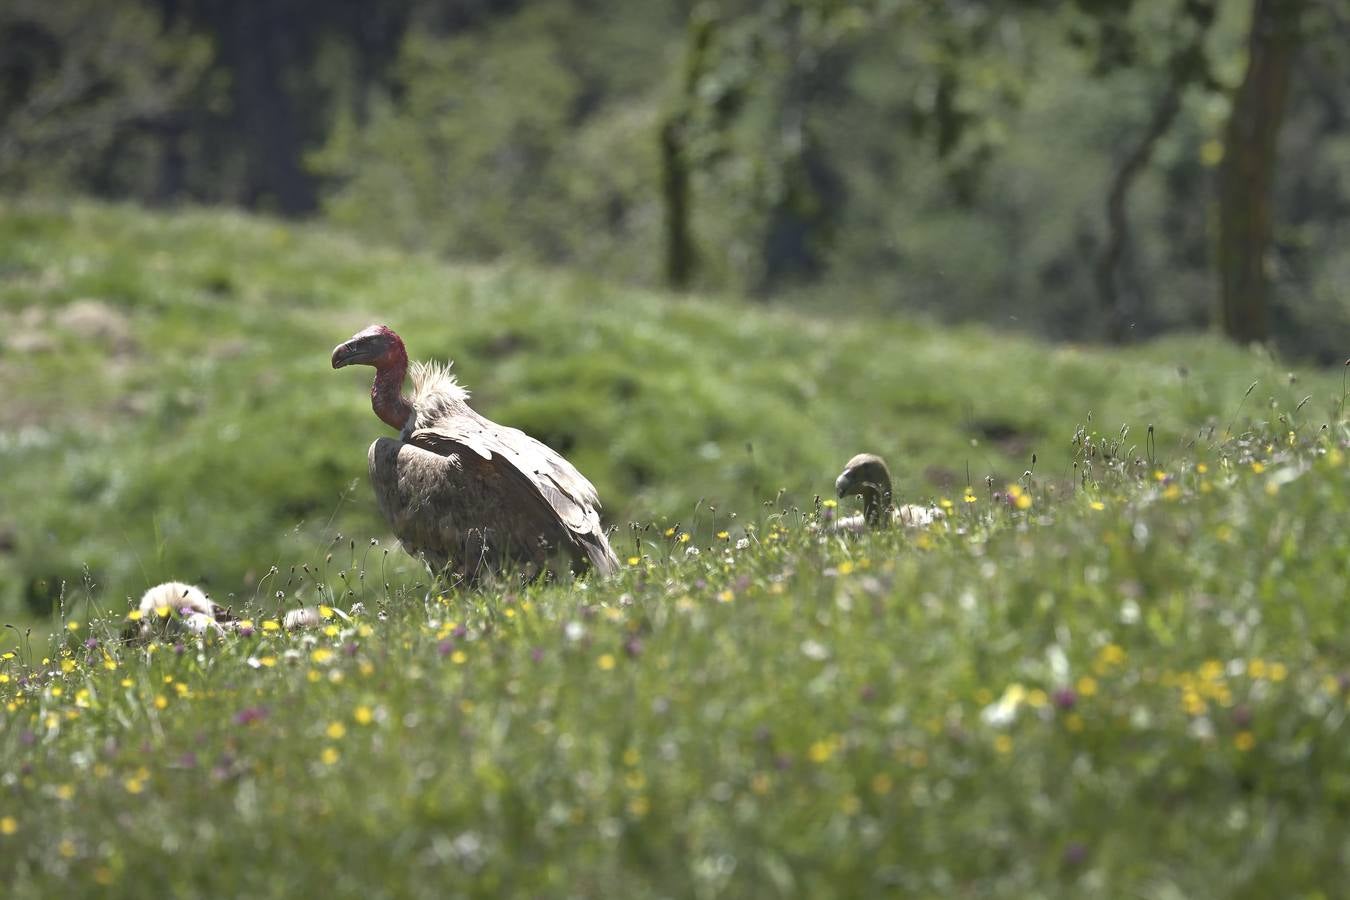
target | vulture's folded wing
[{"x": 546, "y": 475}]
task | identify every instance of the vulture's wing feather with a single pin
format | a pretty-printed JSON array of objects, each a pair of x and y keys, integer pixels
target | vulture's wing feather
[{"x": 570, "y": 497}]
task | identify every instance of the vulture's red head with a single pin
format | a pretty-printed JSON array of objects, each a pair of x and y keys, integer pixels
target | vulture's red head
[{"x": 376, "y": 346}]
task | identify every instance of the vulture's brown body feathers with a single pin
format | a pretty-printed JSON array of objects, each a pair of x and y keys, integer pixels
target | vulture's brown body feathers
[{"x": 471, "y": 496}]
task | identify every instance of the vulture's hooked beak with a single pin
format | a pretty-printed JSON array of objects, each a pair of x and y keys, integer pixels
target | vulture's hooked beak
[
  {"x": 349, "y": 354},
  {"x": 841, "y": 484}
]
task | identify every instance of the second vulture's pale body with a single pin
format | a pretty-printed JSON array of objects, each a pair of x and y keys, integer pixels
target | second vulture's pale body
[{"x": 465, "y": 494}]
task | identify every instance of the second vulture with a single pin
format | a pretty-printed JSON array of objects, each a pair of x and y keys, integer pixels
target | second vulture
[
  {"x": 867, "y": 476},
  {"x": 467, "y": 495}
]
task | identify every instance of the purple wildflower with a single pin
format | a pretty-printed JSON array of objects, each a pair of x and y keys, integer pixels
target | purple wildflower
[{"x": 250, "y": 714}]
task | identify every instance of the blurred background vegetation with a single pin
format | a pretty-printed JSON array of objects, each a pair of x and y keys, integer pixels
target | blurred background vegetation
[{"x": 1088, "y": 170}]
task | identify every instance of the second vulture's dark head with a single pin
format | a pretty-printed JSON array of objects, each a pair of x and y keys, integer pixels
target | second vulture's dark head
[
  {"x": 865, "y": 473},
  {"x": 376, "y": 346},
  {"x": 866, "y": 476}
]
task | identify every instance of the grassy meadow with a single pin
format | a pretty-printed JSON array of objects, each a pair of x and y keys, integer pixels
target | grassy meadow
[{"x": 1119, "y": 671}]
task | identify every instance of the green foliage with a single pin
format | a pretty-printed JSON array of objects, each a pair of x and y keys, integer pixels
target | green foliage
[
  {"x": 492, "y": 147},
  {"x": 78, "y": 77},
  {"x": 1132, "y": 684},
  {"x": 894, "y": 155}
]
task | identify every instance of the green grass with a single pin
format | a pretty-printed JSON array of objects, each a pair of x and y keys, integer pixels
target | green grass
[
  {"x": 1131, "y": 682},
  {"x": 195, "y": 430}
]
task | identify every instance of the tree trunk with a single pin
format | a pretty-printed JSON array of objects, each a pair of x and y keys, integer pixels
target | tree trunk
[
  {"x": 1248, "y": 171},
  {"x": 1118, "y": 223},
  {"x": 676, "y": 166},
  {"x": 675, "y": 192}
]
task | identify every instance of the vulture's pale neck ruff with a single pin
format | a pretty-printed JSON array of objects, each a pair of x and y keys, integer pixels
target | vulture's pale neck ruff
[{"x": 435, "y": 395}]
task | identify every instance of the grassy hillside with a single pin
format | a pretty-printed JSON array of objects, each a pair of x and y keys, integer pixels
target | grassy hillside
[
  {"x": 1140, "y": 690},
  {"x": 1123, "y": 675},
  {"x": 170, "y": 411}
]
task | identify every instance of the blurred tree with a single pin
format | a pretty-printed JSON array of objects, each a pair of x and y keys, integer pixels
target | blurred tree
[
  {"x": 521, "y": 135},
  {"x": 77, "y": 76},
  {"x": 748, "y": 120},
  {"x": 1184, "y": 64},
  {"x": 676, "y": 164},
  {"x": 1247, "y": 176}
]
